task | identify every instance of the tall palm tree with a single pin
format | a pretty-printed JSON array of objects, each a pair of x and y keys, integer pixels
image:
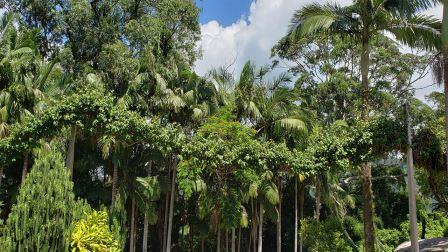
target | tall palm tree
[
  {"x": 269, "y": 107},
  {"x": 444, "y": 50},
  {"x": 440, "y": 67},
  {"x": 361, "y": 21},
  {"x": 26, "y": 79}
]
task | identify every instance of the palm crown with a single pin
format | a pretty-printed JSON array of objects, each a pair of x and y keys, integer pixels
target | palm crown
[{"x": 366, "y": 17}]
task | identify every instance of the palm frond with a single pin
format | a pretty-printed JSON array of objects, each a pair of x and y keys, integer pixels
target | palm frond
[
  {"x": 292, "y": 125},
  {"x": 253, "y": 110},
  {"x": 320, "y": 17},
  {"x": 417, "y": 31},
  {"x": 407, "y": 7}
]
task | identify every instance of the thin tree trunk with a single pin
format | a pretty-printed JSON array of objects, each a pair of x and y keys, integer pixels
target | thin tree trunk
[
  {"x": 132, "y": 235},
  {"x": 173, "y": 194},
  {"x": 1, "y": 175},
  {"x": 296, "y": 214},
  {"x": 366, "y": 169},
  {"x": 218, "y": 240},
  {"x": 202, "y": 244},
  {"x": 260, "y": 229},
  {"x": 369, "y": 242},
  {"x": 114, "y": 186},
  {"x": 301, "y": 205},
  {"x": 318, "y": 196},
  {"x": 411, "y": 185},
  {"x": 239, "y": 239},
  {"x": 227, "y": 241},
  {"x": 25, "y": 167},
  {"x": 166, "y": 210},
  {"x": 253, "y": 233},
  {"x": 165, "y": 221},
  {"x": 70, "y": 158},
  {"x": 279, "y": 220},
  {"x": 145, "y": 221}
]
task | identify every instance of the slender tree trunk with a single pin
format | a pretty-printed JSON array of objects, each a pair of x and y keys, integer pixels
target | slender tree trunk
[
  {"x": 260, "y": 229},
  {"x": 366, "y": 169},
  {"x": 411, "y": 185},
  {"x": 132, "y": 235},
  {"x": 218, "y": 240},
  {"x": 165, "y": 220},
  {"x": 255, "y": 216},
  {"x": 233, "y": 240},
  {"x": 1, "y": 175},
  {"x": 70, "y": 158},
  {"x": 369, "y": 242},
  {"x": 173, "y": 194},
  {"x": 166, "y": 210},
  {"x": 318, "y": 196},
  {"x": 202, "y": 244},
  {"x": 145, "y": 221},
  {"x": 301, "y": 205},
  {"x": 296, "y": 214},
  {"x": 279, "y": 221},
  {"x": 114, "y": 186},
  {"x": 25, "y": 167},
  {"x": 444, "y": 36},
  {"x": 227, "y": 242},
  {"x": 239, "y": 239}
]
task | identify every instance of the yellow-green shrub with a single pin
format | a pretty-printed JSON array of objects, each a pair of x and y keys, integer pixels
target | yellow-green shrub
[{"x": 93, "y": 234}]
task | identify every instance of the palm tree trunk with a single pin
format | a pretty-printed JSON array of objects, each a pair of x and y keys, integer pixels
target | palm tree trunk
[
  {"x": 260, "y": 229},
  {"x": 296, "y": 215},
  {"x": 145, "y": 221},
  {"x": 239, "y": 240},
  {"x": 202, "y": 244},
  {"x": 171, "y": 213},
  {"x": 411, "y": 185},
  {"x": 301, "y": 205},
  {"x": 70, "y": 158},
  {"x": 227, "y": 242},
  {"x": 279, "y": 220},
  {"x": 218, "y": 240},
  {"x": 366, "y": 169},
  {"x": 1, "y": 175},
  {"x": 444, "y": 37},
  {"x": 114, "y": 186},
  {"x": 132, "y": 235},
  {"x": 25, "y": 167},
  {"x": 165, "y": 220},
  {"x": 318, "y": 196},
  {"x": 255, "y": 220}
]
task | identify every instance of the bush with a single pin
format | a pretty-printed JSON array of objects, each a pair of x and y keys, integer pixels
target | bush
[
  {"x": 326, "y": 235},
  {"x": 93, "y": 234},
  {"x": 41, "y": 220}
]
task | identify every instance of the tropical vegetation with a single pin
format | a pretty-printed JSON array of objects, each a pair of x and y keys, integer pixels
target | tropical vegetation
[{"x": 110, "y": 141}]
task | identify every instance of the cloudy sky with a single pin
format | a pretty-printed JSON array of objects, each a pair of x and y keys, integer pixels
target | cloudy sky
[{"x": 239, "y": 30}]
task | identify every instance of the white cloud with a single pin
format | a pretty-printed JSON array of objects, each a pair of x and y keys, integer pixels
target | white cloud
[
  {"x": 253, "y": 37},
  {"x": 247, "y": 39}
]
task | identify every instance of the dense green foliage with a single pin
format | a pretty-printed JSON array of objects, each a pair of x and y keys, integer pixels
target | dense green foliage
[
  {"x": 42, "y": 217},
  {"x": 163, "y": 159},
  {"x": 92, "y": 233}
]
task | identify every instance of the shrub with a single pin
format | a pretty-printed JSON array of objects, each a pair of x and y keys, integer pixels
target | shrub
[
  {"x": 93, "y": 234},
  {"x": 326, "y": 235},
  {"x": 41, "y": 220}
]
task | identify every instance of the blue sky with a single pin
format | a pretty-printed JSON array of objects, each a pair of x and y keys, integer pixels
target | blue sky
[
  {"x": 229, "y": 41},
  {"x": 225, "y": 12}
]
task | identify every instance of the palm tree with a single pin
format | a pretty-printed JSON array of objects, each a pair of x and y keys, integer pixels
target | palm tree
[
  {"x": 440, "y": 67},
  {"x": 269, "y": 106},
  {"x": 444, "y": 50},
  {"x": 361, "y": 21},
  {"x": 26, "y": 79}
]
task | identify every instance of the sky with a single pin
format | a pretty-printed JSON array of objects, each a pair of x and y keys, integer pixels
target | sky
[{"x": 234, "y": 31}]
